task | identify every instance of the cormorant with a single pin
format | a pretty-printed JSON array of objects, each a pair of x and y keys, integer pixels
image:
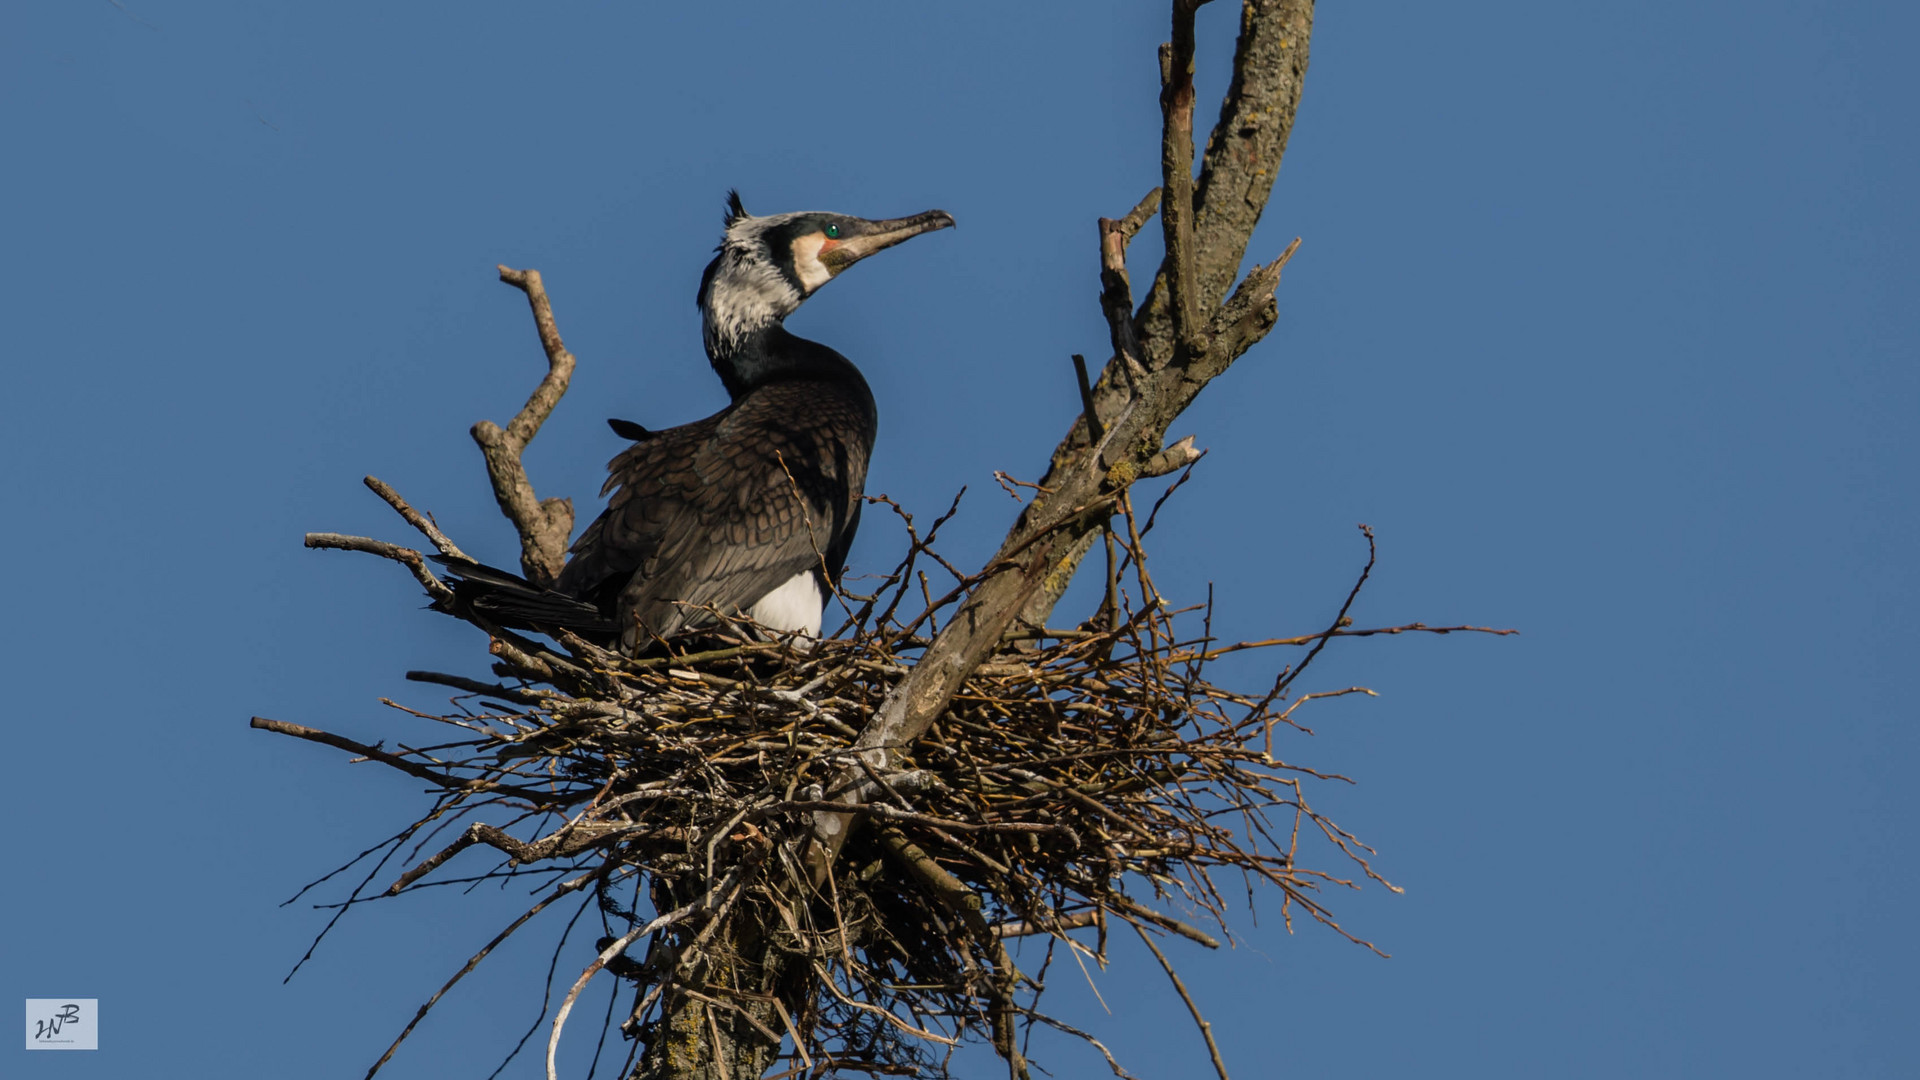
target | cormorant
[{"x": 753, "y": 509}]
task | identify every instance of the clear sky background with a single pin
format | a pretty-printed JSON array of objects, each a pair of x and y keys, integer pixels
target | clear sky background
[{"x": 1605, "y": 318}]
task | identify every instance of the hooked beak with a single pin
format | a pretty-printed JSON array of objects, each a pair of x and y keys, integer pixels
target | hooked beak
[{"x": 881, "y": 235}]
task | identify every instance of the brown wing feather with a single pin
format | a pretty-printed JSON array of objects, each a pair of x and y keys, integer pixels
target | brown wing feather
[{"x": 717, "y": 512}]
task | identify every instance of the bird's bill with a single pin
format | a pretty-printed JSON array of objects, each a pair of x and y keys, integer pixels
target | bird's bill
[{"x": 880, "y": 235}]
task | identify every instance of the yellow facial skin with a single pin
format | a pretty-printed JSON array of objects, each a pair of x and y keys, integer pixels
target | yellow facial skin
[
  {"x": 817, "y": 257},
  {"x": 813, "y": 261}
]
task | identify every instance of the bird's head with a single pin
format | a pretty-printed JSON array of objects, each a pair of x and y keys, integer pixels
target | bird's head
[{"x": 766, "y": 267}]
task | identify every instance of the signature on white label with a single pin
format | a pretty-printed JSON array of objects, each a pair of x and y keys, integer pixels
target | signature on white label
[{"x": 63, "y": 1023}]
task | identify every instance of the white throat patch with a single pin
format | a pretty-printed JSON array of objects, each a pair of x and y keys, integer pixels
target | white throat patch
[{"x": 744, "y": 295}]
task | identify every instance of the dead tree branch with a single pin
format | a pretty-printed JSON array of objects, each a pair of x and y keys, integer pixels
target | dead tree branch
[
  {"x": 1237, "y": 172},
  {"x": 405, "y": 556},
  {"x": 1242, "y": 158},
  {"x": 1089, "y": 477},
  {"x": 1206, "y": 1029},
  {"x": 1179, "y": 268},
  {"x": 545, "y": 526},
  {"x": 415, "y": 518}
]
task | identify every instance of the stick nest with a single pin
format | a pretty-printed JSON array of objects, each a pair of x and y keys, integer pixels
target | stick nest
[{"x": 1080, "y": 777}]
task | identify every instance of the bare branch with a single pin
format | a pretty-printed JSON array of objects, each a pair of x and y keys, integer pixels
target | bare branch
[
  {"x": 1082, "y": 495},
  {"x": 416, "y": 519},
  {"x": 1242, "y": 158},
  {"x": 1250, "y": 137},
  {"x": 1052, "y": 533},
  {"x": 1076, "y": 921},
  {"x": 1240, "y": 323},
  {"x": 1178, "y": 456},
  {"x": 1206, "y": 1029},
  {"x": 404, "y": 764},
  {"x": 1120, "y": 380},
  {"x": 545, "y": 526},
  {"x": 1311, "y": 639},
  {"x": 1237, "y": 173},
  {"x": 965, "y": 904},
  {"x": 1116, "y": 290},
  {"x": 405, "y": 556},
  {"x": 468, "y": 967},
  {"x": 1095, "y": 430},
  {"x": 1165, "y": 922},
  {"x": 370, "y": 752},
  {"x": 475, "y": 686},
  {"x": 723, "y": 890},
  {"x": 1176, "y": 177}
]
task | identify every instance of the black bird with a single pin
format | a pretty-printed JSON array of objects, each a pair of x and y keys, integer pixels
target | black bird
[{"x": 753, "y": 509}]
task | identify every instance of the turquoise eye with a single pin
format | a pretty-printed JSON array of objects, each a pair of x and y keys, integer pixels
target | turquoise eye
[{"x": 833, "y": 232}]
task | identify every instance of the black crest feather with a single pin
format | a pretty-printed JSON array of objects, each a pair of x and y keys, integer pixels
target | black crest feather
[{"x": 735, "y": 211}]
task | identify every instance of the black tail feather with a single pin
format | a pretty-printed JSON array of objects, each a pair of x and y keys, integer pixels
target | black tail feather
[
  {"x": 627, "y": 429},
  {"x": 507, "y": 599}
]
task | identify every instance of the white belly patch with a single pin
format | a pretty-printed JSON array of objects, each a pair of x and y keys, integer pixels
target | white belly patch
[{"x": 793, "y": 606}]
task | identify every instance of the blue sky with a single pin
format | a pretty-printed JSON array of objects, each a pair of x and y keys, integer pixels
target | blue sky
[{"x": 1598, "y": 320}]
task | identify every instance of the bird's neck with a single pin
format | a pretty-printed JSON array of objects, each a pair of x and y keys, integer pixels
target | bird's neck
[
  {"x": 769, "y": 354},
  {"x": 743, "y": 300},
  {"x": 744, "y": 303}
]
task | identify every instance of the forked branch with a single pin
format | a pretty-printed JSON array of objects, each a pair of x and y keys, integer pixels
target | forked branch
[
  {"x": 1236, "y": 177},
  {"x": 1242, "y": 158},
  {"x": 545, "y": 526}
]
